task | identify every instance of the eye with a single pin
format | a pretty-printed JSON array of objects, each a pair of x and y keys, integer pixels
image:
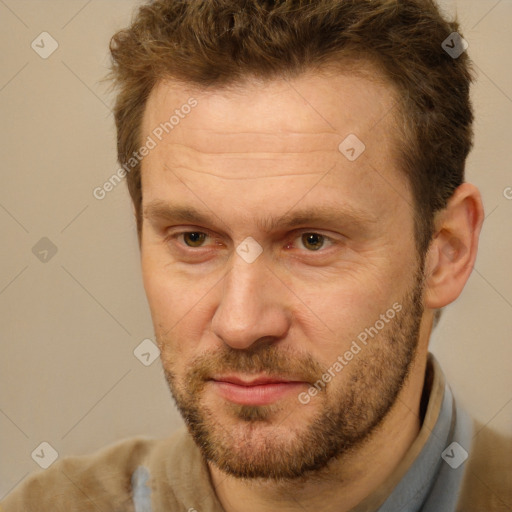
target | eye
[
  {"x": 194, "y": 238},
  {"x": 313, "y": 241}
]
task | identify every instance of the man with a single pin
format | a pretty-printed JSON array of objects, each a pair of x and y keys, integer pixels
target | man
[{"x": 297, "y": 175}]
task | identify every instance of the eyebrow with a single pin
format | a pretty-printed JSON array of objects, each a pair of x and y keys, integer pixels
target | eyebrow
[{"x": 319, "y": 215}]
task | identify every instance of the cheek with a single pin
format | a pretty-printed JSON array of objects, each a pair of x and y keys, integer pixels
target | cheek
[
  {"x": 339, "y": 310},
  {"x": 180, "y": 308},
  {"x": 163, "y": 296},
  {"x": 168, "y": 311},
  {"x": 167, "y": 296},
  {"x": 345, "y": 299},
  {"x": 156, "y": 287}
]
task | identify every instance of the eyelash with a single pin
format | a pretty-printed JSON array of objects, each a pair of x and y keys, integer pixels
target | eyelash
[{"x": 174, "y": 236}]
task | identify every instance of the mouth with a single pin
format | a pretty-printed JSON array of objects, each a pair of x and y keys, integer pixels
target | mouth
[{"x": 262, "y": 390}]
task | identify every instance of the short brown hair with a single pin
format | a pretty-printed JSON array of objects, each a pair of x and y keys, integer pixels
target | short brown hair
[{"x": 218, "y": 43}]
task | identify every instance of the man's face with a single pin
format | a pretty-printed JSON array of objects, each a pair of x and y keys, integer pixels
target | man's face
[{"x": 327, "y": 290}]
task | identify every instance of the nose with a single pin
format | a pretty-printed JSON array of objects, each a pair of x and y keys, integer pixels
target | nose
[{"x": 252, "y": 305}]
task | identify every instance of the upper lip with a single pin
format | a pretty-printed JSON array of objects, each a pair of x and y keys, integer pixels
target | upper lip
[{"x": 257, "y": 381}]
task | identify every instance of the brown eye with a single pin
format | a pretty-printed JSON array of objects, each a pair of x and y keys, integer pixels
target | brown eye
[
  {"x": 194, "y": 238},
  {"x": 313, "y": 241}
]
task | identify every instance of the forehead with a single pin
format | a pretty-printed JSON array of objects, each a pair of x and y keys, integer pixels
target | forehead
[
  {"x": 315, "y": 104},
  {"x": 262, "y": 144}
]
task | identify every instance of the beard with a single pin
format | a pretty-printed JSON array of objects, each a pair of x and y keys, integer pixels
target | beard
[{"x": 250, "y": 442}]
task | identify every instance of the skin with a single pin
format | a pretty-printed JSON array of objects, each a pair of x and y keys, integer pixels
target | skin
[{"x": 244, "y": 157}]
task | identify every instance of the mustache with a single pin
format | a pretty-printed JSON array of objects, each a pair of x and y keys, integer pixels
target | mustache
[{"x": 263, "y": 359}]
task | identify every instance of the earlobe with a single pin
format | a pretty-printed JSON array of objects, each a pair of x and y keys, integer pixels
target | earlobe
[{"x": 452, "y": 252}]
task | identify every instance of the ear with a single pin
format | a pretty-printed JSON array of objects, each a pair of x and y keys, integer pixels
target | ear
[{"x": 452, "y": 252}]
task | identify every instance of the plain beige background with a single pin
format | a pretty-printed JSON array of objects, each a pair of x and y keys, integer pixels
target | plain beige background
[{"x": 69, "y": 325}]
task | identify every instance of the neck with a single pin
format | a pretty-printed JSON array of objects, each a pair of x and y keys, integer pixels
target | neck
[{"x": 348, "y": 479}]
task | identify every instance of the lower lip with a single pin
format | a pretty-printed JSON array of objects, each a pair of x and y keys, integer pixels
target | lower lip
[{"x": 262, "y": 394}]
